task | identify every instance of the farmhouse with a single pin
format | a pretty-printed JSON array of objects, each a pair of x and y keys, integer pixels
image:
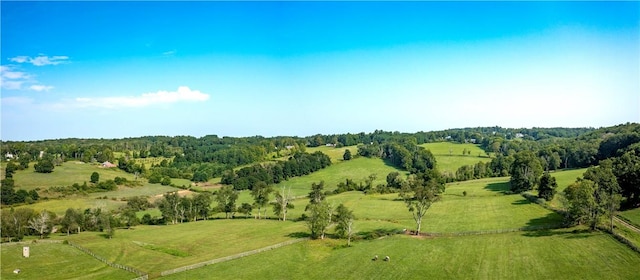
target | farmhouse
[{"x": 107, "y": 164}]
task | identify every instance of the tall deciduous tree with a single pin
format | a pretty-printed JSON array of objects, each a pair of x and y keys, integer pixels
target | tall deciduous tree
[
  {"x": 316, "y": 195},
  {"x": 282, "y": 204},
  {"x": 319, "y": 218},
  {"x": 169, "y": 207},
  {"x": 525, "y": 171},
  {"x": 260, "y": 193},
  {"x": 547, "y": 187},
  {"x": 419, "y": 192},
  {"x": 344, "y": 219},
  {"x": 40, "y": 223},
  {"x": 607, "y": 192},
  {"x": 226, "y": 198}
]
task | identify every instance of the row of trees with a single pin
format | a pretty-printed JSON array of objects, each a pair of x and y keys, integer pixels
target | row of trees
[{"x": 298, "y": 165}]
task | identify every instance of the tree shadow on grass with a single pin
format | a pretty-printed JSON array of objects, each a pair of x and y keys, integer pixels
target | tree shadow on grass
[
  {"x": 299, "y": 234},
  {"x": 377, "y": 233},
  {"x": 502, "y": 187},
  {"x": 521, "y": 202}
]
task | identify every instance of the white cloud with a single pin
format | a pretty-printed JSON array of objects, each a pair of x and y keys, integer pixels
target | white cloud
[
  {"x": 40, "y": 87},
  {"x": 41, "y": 60},
  {"x": 169, "y": 53},
  {"x": 182, "y": 94},
  {"x": 12, "y": 79}
]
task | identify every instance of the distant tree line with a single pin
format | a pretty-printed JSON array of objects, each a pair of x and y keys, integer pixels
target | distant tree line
[{"x": 297, "y": 165}]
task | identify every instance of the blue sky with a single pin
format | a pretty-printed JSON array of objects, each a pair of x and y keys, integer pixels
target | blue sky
[{"x": 126, "y": 69}]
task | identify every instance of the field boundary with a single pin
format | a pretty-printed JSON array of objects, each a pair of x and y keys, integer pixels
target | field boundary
[
  {"x": 141, "y": 275},
  {"x": 494, "y": 231},
  {"x": 628, "y": 222},
  {"x": 231, "y": 257}
]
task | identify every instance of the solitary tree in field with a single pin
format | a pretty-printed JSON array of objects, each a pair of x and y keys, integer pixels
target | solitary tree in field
[
  {"x": 344, "y": 219},
  {"x": 319, "y": 218},
  {"x": 419, "y": 192},
  {"x": 547, "y": 187},
  {"x": 95, "y": 177},
  {"x": 347, "y": 155},
  {"x": 320, "y": 211},
  {"x": 260, "y": 193},
  {"x": 282, "y": 204}
]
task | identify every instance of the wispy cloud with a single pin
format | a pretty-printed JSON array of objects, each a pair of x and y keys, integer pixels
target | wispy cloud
[
  {"x": 41, "y": 60},
  {"x": 12, "y": 79},
  {"x": 40, "y": 87},
  {"x": 182, "y": 94},
  {"x": 169, "y": 53}
]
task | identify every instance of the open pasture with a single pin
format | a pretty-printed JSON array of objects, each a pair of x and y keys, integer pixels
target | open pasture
[
  {"x": 552, "y": 254},
  {"x": 632, "y": 215},
  {"x": 96, "y": 200},
  {"x": 55, "y": 261},
  {"x": 65, "y": 175},
  {"x": 356, "y": 169},
  {"x": 154, "y": 249},
  {"x": 336, "y": 154},
  {"x": 449, "y": 155}
]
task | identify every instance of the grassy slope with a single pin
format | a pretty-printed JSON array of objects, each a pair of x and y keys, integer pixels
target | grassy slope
[
  {"x": 70, "y": 172},
  {"x": 55, "y": 261},
  {"x": 554, "y": 254},
  {"x": 335, "y": 154},
  {"x": 357, "y": 169},
  {"x": 199, "y": 241},
  {"x": 633, "y": 215},
  {"x": 564, "y": 178},
  {"x": 451, "y": 162}
]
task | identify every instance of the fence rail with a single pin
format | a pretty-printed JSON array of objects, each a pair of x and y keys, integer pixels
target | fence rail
[
  {"x": 141, "y": 275},
  {"x": 228, "y": 258}
]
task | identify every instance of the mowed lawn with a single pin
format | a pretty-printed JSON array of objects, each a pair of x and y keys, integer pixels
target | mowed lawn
[
  {"x": 449, "y": 155},
  {"x": 564, "y": 178},
  {"x": 65, "y": 175},
  {"x": 55, "y": 261},
  {"x": 554, "y": 254},
  {"x": 178, "y": 245}
]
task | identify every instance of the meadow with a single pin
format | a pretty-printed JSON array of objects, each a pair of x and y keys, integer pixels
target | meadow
[
  {"x": 632, "y": 215},
  {"x": 154, "y": 249},
  {"x": 336, "y": 154},
  {"x": 449, "y": 155},
  {"x": 65, "y": 175},
  {"x": 550, "y": 254},
  {"x": 55, "y": 261},
  {"x": 487, "y": 206}
]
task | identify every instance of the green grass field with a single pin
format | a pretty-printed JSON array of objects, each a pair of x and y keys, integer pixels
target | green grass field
[
  {"x": 95, "y": 200},
  {"x": 336, "y": 154},
  {"x": 357, "y": 169},
  {"x": 55, "y": 261},
  {"x": 555, "y": 254},
  {"x": 70, "y": 172},
  {"x": 564, "y": 178},
  {"x": 188, "y": 243},
  {"x": 450, "y": 162},
  {"x": 632, "y": 215}
]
